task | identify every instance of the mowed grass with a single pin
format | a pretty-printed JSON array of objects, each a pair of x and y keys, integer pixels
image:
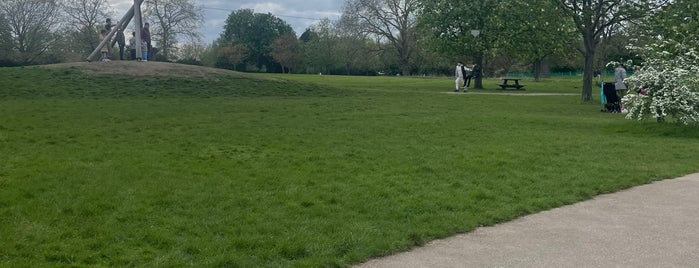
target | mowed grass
[{"x": 258, "y": 171}]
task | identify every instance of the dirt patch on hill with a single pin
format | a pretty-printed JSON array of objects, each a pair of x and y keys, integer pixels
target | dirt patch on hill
[{"x": 151, "y": 68}]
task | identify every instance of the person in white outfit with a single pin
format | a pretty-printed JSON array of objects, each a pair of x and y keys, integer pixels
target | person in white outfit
[{"x": 459, "y": 76}]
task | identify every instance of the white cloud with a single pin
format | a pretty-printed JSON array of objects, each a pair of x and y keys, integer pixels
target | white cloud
[{"x": 300, "y": 14}]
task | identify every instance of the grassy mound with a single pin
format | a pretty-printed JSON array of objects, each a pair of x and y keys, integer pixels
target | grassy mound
[{"x": 153, "y": 79}]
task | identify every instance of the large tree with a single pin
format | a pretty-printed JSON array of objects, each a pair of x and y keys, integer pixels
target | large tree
[
  {"x": 463, "y": 29},
  {"x": 352, "y": 45},
  {"x": 286, "y": 51},
  {"x": 32, "y": 24},
  {"x": 173, "y": 19},
  {"x": 255, "y": 31},
  {"x": 595, "y": 18},
  {"x": 319, "y": 43},
  {"x": 544, "y": 32},
  {"x": 393, "y": 20}
]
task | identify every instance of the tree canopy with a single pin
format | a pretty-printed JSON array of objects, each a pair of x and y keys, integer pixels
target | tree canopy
[
  {"x": 257, "y": 32},
  {"x": 462, "y": 29},
  {"x": 592, "y": 19}
]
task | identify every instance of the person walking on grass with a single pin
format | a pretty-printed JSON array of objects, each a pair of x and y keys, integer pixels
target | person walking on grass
[
  {"x": 465, "y": 70},
  {"x": 459, "y": 74},
  {"x": 472, "y": 74}
]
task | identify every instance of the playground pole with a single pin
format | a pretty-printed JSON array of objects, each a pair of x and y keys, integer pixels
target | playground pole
[
  {"x": 138, "y": 24},
  {"x": 122, "y": 24}
]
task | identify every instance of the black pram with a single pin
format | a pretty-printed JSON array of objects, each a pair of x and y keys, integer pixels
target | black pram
[{"x": 613, "y": 104}]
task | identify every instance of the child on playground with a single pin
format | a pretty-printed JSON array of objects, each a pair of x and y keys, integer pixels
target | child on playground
[
  {"x": 104, "y": 49},
  {"x": 144, "y": 50}
]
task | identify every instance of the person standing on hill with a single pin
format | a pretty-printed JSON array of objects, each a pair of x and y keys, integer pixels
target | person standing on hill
[
  {"x": 121, "y": 41},
  {"x": 132, "y": 47},
  {"x": 145, "y": 35},
  {"x": 105, "y": 48},
  {"x": 107, "y": 27},
  {"x": 144, "y": 50}
]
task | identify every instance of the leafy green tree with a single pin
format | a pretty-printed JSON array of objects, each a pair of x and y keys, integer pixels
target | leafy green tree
[
  {"x": 319, "y": 51},
  {"x": 594, "y": 18},
  {"x": 286, "y": 50},
  {"x": 257, "y": 32},
  {"x": 463, "y": 28},
  {"x": 533, "y": 30}
]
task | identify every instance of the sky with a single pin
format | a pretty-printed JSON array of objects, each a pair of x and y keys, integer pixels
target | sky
[{"x": 300, "y": 14}]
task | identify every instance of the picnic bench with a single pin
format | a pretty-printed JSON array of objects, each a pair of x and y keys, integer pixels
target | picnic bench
[{"x": 506, "y": 85}]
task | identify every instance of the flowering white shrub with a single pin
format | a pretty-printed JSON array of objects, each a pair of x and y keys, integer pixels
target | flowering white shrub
[{"x": 669, "y": 77}]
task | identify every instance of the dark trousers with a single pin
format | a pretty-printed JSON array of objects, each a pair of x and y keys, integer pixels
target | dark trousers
[
  {"x": 150, "y": 48},
  {"x": 467, "y": 80},
  {"x": 121, "y": 52}
]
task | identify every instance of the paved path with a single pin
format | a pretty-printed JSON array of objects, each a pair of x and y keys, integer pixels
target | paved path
[
  {"x": 654, "y": 225},
  {"x": 511, "y": 93}
]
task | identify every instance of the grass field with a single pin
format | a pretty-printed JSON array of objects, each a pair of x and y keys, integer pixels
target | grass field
[{"x": 291, "y": 170}]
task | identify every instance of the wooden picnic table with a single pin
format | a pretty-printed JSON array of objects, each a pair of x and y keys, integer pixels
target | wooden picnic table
[{"x": 506, "y": 85}]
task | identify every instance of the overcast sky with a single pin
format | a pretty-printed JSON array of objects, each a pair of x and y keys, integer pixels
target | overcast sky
[{"x": 298, "y": 13}]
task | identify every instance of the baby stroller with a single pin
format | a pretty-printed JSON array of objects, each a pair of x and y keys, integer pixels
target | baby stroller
[{"x": 613, "y": 104}]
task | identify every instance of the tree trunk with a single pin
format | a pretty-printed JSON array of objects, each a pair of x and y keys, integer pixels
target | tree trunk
[
  {"x": 479, "y": 79},
  {"x": 404, "y": 65},
  {"x": 586, "y": 95},
  {"x": 540, "y": 68}
]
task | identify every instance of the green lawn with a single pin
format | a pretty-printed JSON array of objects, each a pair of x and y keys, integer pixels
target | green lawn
[{"x": 257, "y": 171}]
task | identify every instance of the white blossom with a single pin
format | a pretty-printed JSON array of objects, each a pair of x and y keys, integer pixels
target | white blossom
[{"x": 670, "y": 77}]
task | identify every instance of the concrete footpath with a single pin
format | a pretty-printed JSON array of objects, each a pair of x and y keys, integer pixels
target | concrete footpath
[{"x": 653, "y": 225}]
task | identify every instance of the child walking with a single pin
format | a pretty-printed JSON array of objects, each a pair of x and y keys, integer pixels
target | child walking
[{"x": 144, "y": 50}]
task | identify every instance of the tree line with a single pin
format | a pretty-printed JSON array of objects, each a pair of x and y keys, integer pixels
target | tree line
[
  {"x": 418, "y": 37},
  {"x": 375, "y": 37}
]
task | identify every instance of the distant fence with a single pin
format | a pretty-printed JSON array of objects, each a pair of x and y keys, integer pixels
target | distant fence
[{"x": 561, "y": 74}]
